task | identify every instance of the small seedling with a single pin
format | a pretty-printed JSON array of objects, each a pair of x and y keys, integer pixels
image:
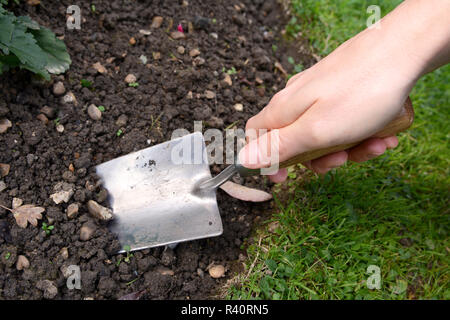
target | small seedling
[
  {"x": 133, "y": 84},
  {"x": 101, "y": 108},
  {"x": 56, "y": 121},
  {"x": 291, "y": 60},
  {"x": 47, "y": 228},
  {"x": 93, "y": 8},
  {"x": 214, "y": 20},
  {"x": 232, "y": 71},
  {"x": 274, "y": 48},
  {"x": 7, "y": 255},
  {"x": 86, "y": 83},
  {"x": 129, "y": 254},
  {"x": 119, "y": 132},
  {"x": 119, "y": 262}
]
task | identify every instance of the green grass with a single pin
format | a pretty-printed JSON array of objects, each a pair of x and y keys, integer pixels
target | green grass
[{"x": 392, "y": 212}]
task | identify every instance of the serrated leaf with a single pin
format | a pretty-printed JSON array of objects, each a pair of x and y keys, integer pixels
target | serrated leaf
[
  {"x": 58, "y": 59},
  {"x": 7, "y": 29},
  {"x": 28, "y": 22},
  {"x": 27, "y": 213},
  {"x": 31, "y": 56}
]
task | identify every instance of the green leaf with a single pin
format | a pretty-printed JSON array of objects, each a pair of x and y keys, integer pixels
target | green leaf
[
  {"x": 28, "y": 22},
  {"x": 58, "y": 59},
  {"x": 7, "y": 28},
  {"x": 31, "y": 56}
]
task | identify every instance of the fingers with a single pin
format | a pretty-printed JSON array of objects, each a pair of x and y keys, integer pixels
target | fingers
[
  {"x": 286, "y": 106},
  {"x": 391, "y": 142},
  {"x": 369, "y": 149},
  {"x": 324, "y": 164},
  {"x": 280, "y": 176}
]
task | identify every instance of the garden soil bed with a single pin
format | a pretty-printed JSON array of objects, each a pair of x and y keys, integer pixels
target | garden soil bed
[{"x": 171, "y": 94}]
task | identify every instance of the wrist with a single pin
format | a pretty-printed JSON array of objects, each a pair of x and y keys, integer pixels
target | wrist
[{"x": 419, "y": 34}]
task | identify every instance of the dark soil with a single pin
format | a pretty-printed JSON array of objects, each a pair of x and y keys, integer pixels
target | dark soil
[{"x": 40, "y": 157}]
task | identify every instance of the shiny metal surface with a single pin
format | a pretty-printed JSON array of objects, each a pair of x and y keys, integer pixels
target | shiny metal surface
[{"x": 155, "y": 201}]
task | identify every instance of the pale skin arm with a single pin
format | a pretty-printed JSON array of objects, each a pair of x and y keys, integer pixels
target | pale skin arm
[{"x": 356, "y": 90}]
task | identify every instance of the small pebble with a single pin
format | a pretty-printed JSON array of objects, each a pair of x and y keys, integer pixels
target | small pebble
[
  {"x": 49, "y": 112},
  {"x": 122, "y": 120},
  {"x": 94, "y": 112},
  {"x": 227, "y": 80},
  {"x": 72, "y": 210},
  {"x": 22, "y": 263},
  {"x": 70, "y": 98},
  {"x": 181, "y": 50},
  {"x": 156, "y": 22},
  {"x": 194, "y": 52},
  {"x": 4, "y": 125},
  {"x": 4, "y": 169},
  {"x": 176, "y": 35},
  {"x": 145, "y": 32},
  {"x": 217, "y": 271},
  {"x": 239, "y": 107},
  {"x": 99, "y": 67},
  {"x": 41, "y": 117},
  {"x": 210, "y": 94},
  {"x": 64, "y": 253},
  {"x": 130, "y": 78},
  {"x": 3, "y": 186},
  {"x": 87, "y": 231},
  {"x": 98, "y": 211},
  {"x": 198, "y": 61},
  {"x": 132, "y": 41},
  {"x": 60, "y": 128},
  {"x": 59, "y": 89}
]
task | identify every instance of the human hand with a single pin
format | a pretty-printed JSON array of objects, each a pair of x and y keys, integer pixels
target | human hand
[{"x": 345, "y": 98}]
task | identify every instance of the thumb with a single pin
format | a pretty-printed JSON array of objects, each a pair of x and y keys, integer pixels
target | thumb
[{"x": 261, "y": 152}]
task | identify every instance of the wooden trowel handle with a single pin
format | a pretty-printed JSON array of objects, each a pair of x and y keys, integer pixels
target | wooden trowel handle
[{"x": 402, "y": 122}]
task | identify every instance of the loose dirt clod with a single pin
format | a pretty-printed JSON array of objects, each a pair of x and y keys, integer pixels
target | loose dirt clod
[
  {"x": 99, "y": 67},
  {"x": 49, "y": 288}
]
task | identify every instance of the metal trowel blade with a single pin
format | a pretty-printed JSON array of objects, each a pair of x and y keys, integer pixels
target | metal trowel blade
[{"x": 153, "y": 198}]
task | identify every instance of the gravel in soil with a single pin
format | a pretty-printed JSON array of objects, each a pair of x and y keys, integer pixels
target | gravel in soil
[{"x": 146, "y": 82}]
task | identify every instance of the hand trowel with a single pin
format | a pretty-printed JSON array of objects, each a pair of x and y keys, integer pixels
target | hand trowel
[{"x": 165, "y": 194}]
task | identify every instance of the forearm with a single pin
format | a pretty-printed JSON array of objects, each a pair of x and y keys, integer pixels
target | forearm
[{"x": 419, "y": 30}]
